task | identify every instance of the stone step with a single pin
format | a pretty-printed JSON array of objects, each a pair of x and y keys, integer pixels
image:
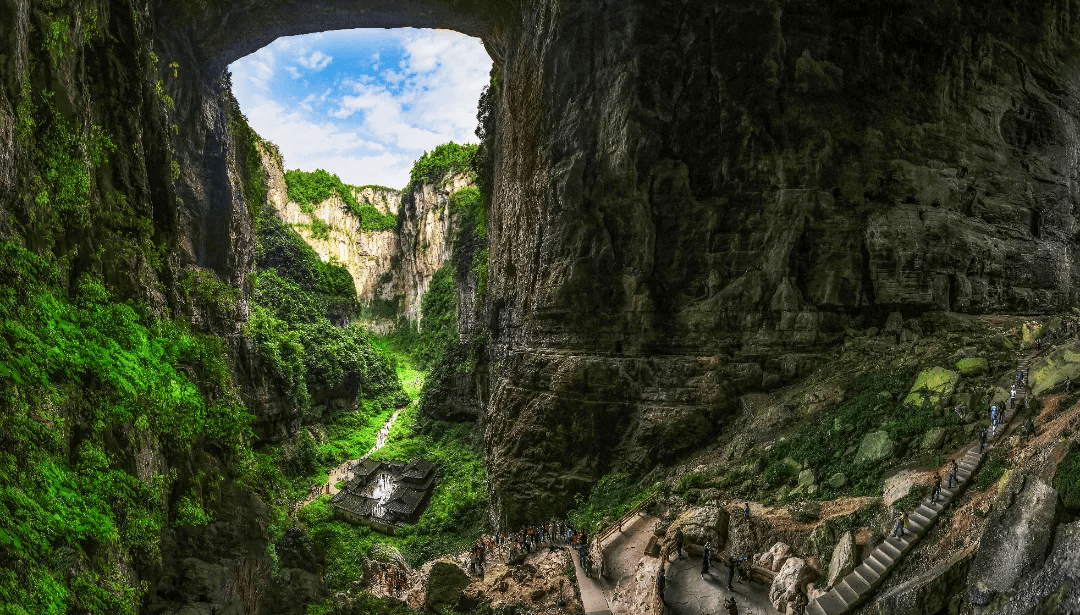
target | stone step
[
  {"x": 849, "y": 595},
  {"x": 918, "y": 520},
  {"x": 880, "y": 564},
  {"x": 832, "y": 604},
  {"x": 867, "y": 573},
  {"x": 856, "y": 583},
  {"x": 926, "y": 512},
  {"x": 890, "y": 549},
  {"x": 815, "y": 609}
]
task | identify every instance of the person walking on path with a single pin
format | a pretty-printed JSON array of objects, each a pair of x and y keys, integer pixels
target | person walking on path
[
  {"x": 730, "y": 572},
  {"x": 901, "y": 526},
  {"x": 661, "y": 583},
  {"x": 937, "y": 488},
  {"x": 982, "y": 441},
  {"x": 746, "y": 510},
  {"x": 993, "y": 417},
  {"x": 952, "y": 473},
  {"x": 705, "y": 559},
  {"x": 678, "y": 542}
]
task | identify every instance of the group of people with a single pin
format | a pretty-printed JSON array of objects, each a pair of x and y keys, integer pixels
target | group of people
[
  {"x": 734, "y": 566},
  {"x": 504, "y": 546},
  {"x": 1067, "y": 328},
  {"x": 393, "y": 580}
]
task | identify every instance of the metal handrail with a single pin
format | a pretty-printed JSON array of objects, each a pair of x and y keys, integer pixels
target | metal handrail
[{"x": 604, "y": 533}]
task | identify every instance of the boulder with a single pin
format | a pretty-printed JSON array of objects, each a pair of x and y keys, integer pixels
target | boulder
[
  {"x": 972, "y": 366},
  {"x": 1015, "y": 542},
  {"x": 748, "y": 536},
  {"x": 790, "y": 581},
  {"x": 932, "y": 386},
  {"x": 843, "y": 559},
  {"x": 446, "y": 587},
  {"x": 838, "y": 480},
  {"x": 933, "y": 439},
  {"x": 894, "y": 323},
  {"x": 702, "y": 524},
  {"x": 930, "y": 592},
  {"x": 875, "y": 446},
  {"x": 1055, "y": 586},
  {"x": 1052, "y": 370},
  {"x": 774, "y": 558}
]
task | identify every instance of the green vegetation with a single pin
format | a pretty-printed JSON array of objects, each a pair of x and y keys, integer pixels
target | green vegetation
[
  {"x": 609, "y": 499},
  {"x": 320, "y": 229},
  {"x": 470, "y": 241},
  {"x": 1067, "y": 478},
  {"x": 454, "y": 518},
  {"x": 248, "y": 143},
  {"x": 65, "y": 155},
  {"x": 441, "y": 161},
  {"x": 993, "y": 467},
  {"x": 825, "y": 442},
  {"x": 309, "y": 189},
  {"x": 79, "y": 371},
  {"x": 205, "y": 287}
]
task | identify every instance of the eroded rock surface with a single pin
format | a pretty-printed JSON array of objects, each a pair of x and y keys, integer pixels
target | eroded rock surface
[{"x": 1016, "y": 541}]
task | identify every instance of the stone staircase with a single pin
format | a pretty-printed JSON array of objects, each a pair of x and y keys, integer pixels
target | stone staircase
[{"x": 861, "y": 583}]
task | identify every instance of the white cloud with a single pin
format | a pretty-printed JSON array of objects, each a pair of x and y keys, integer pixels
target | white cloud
[
  {"x": 366, "y": 128},
  {"x": 316, "y": 61}
]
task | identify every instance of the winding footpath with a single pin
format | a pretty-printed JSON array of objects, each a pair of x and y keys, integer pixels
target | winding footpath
[{"x": 862, "y": 582}]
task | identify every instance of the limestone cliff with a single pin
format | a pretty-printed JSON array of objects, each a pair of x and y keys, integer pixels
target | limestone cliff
[{"x": 391, "y": 268}]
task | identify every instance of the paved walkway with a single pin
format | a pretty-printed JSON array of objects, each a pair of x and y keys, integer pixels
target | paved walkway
[
  {"x": 592, "y": 595},
  {"x": 687, "y": 593},
  {"x": 625, "y": 550},
  {"x": 853, "y": 588}
]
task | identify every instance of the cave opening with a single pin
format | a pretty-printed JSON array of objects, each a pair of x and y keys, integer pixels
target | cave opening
[{"x": 368, "y": 141}]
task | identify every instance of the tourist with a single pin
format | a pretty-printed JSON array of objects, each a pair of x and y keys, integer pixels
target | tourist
[
  {"x": 901, "y": 526},
  {"x": 746, "y": 510},
  {"x": 982, "y": 441},
  {"x": 952, "y": 473},
  {"x": 661, "y": 582},
  {"x": 678, "y": 542},
  {"x": 936, "y": 489},
  {"x": 705, "y": 562},
  {"x": 730, "y": 572}
]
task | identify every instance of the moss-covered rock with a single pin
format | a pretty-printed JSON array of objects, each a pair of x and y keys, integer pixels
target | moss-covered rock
[
  {"x": 875, "y": 447},
  {"x": 972, "y": 366},
  {"x": 932, "y": 386},
  {"x": 1029, "y": 333},
  {"x": 1052, "y": 370},
  {"x": 933, "y": 439},
  {"x": 446, "y": 585}
]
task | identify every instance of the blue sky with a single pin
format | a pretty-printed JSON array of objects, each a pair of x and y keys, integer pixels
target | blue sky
[{"x": 363, "y": 103}]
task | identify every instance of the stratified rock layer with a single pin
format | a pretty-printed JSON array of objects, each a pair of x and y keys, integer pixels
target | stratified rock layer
[{"x": 693, "y": 200}]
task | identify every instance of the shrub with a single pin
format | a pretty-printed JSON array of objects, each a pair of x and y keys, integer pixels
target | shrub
[
  {"x": 308, "y": 189},
  {"x": 1067, "y": 478},
  {"x": 444, "y": 159}
]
